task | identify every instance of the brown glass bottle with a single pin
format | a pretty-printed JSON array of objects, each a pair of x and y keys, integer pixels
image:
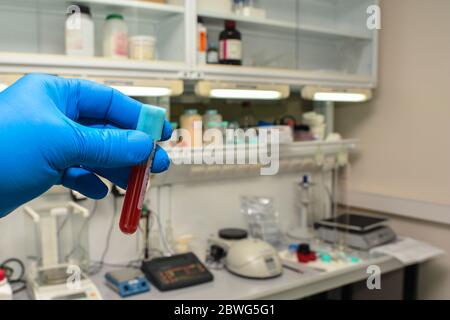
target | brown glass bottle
[{"x": 230, "y": 44}]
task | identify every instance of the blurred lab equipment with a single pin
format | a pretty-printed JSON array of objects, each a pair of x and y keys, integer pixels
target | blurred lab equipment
[
  {"x": 222, "y": 6},
  {"x": 79, "y": 31},
  {"x": 314, "y": 204},
  {"x": 142, "y": 47},
  {"x": 151, "y": 121},
  {"x": 305, "y": 254},
  {"x": 212, "y": 55},
  {"x": 262, "y": 219},
  {"x": 59, "y": 253},
  {"x": 316, "y": 123},
  {"x": 12, "y": 273},
  {"x": 216, "y": 138},
  {"x": 115, "y": 37},
  {"x": 358, "y": 231},
  {"x": 247, "y": 9},
  {"x": 302, "y": 133},
  {"x": 303, "y": 231},
  {"x": 176, "y": 271},
  {"x": 253, "y": 258},
  {"x": 247, "y": 118},
  {"x": 189, "y": 121},
  {"x": 301, "y": 258},
  {"x": 230, "y": 44},
  {"x": 201, "y": 41},
  {"x": 288, "y": 121},
  {"x": 218, "y": 245},
  {"x": 127, "y": 282},
  {"x": 333, "y": 137},
  {"x": 243, "y": 256},
  {"x": 285, "y": 133},
  {"x": 212, "y": 119},
  {"x": 5, "y": 288}
]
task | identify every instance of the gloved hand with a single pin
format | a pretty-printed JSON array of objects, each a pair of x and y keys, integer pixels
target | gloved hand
[{"x": 62, "y": 131}]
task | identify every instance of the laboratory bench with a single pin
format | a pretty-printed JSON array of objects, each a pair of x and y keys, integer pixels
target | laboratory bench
[{"x": 290, "y": 285}]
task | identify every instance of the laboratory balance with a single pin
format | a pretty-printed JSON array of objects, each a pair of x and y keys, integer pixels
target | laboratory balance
[
  {"x": 357, "y": 231},
  {"x": 58, "y": 253}
]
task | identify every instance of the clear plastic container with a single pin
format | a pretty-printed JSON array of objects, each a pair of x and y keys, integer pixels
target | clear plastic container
[
  {"x": 115, "y": 37},
  {"x": 142, "y": 47}
]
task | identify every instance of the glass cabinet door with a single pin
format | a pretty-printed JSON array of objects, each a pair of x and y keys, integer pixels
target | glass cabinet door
[
  {"x": 334, "y": 37},
  {"x": 314, "y": 36},
  {"x": 39, "y": 26},
  {"x": 267, "y": 27}
]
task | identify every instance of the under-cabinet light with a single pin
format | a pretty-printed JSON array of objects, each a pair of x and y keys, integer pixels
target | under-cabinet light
[
  {"x": 245, "y": 94},
  {"x": 247, "y": 91},
  {"x": 336, "y": 94},
  {"x": 137, "y": 87}
]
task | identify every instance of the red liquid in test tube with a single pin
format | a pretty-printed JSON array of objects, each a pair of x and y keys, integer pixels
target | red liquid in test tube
[{"x": 134, "y": 197}]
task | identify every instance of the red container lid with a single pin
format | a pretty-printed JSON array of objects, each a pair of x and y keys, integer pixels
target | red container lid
[{"x": 230, "y": 24}]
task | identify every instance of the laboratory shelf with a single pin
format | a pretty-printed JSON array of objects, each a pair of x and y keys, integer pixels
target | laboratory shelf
[
  {"x": 283, "y": 76},
  {"x": 21, "y": 63},
  {"x": 160, "y": 10},
  {"x": 267, "y": 23},
  {"x": 12, "y": 62},
  {"x": 293, "y": 157}
]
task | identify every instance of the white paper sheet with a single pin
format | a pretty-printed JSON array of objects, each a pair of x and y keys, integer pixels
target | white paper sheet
[{"x": 409, "y": 251}]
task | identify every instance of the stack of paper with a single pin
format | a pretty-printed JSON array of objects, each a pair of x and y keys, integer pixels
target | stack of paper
[{"x": 409, "y": 251}]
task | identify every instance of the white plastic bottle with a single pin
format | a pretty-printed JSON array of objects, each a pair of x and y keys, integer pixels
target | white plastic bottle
[
  {"x": 115, "y": 37},
  {"x": 79, "y": 32},
  {"x": 212, "y": 119}
]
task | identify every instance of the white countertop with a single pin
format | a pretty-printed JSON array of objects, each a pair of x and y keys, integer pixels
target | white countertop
[
  {"x": 290, "y": 285},
  {"x": 226, "y": 286}
]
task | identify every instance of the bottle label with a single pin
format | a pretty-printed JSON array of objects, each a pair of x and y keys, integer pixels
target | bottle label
[
  {"x": 74, "y": 39},
  {"x": 120, "y": 43},
  {"x": 213, "y": 57},
  {"x": 230, "y": 49},
  {"x": 202, "y": 41}
]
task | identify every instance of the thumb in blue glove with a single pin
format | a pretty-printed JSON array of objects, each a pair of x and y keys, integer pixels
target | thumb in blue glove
[{"x": 68, "y": 131}]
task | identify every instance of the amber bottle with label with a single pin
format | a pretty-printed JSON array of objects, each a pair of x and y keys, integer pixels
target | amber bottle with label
[{"x": 230, "y": 44}]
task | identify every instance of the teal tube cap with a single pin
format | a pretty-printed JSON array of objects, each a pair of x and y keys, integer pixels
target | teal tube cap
[{"x": 151, "y": 121}]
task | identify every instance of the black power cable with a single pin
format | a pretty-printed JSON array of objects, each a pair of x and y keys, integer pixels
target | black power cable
[{"x": 11, "y": 273}]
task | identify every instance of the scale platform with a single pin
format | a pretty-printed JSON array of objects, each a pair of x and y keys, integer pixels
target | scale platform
[{"x": 357, "y": 231}]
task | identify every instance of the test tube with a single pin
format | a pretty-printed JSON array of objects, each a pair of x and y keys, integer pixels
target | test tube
[{"x": 151, "y": 121}]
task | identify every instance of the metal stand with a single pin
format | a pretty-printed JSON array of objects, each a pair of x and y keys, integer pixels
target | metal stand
[{"x": 327, "y": 109}]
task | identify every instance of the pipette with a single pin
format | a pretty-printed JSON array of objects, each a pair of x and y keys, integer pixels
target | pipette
[{"x": 151, "y": 121}]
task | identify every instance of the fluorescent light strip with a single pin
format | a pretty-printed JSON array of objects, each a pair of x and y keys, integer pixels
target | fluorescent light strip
[
  {"x": 245, "y": 94},
  {"x": 340, "y": 96},
  {"x": 143, "y": 91}
]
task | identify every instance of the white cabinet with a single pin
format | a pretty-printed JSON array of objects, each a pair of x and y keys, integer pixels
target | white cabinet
[
  {"x": 293, "y": 42},
  {"x": 301, "y": 41}
]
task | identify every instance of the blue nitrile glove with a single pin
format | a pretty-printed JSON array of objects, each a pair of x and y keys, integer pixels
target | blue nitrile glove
[{"x": 62, "y": 131}]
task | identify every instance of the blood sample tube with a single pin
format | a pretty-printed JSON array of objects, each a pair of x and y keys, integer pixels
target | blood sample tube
[{"x": 151, "y": 121}]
